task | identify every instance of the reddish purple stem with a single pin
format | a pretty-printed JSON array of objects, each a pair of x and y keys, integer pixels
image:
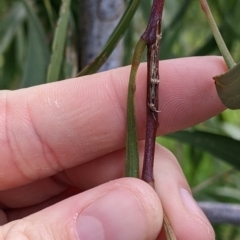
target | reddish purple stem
[
  {"x": 156, "y": 16},
  {"x": 152, "y": 36}
]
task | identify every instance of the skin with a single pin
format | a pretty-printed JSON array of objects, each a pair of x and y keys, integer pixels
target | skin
[{"x": 62, "y": 143}]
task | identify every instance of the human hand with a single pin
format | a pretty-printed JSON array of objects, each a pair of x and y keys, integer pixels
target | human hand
[{"x": 62, "y": 143}]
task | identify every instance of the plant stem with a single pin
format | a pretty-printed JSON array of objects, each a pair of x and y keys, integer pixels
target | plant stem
[
  {"x": 217, "y": 35},
  {"x": 152, "y": 36},
  {"x": 167, "y": 228},
  {"x": 221, "y": 212},
  {"x": 152, "y": 110},
  {"x": 113, "y": 40},
  {"x": 96, "y": 24}
]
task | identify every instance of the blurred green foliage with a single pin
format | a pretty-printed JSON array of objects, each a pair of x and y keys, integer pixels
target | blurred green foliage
[{"x": 26, "y": 36}]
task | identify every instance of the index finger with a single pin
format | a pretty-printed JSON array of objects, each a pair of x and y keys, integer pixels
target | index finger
[{"x": 49, "y": 128}]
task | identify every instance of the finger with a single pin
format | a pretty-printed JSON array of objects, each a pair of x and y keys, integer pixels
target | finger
[
  {"x": 31, "y": 194},
  {"x": 122, "y": 209},
  {"x": 53, "y": 127},
  {"x": 185, "y": 216},
  {"x": 97, "y": 171},
  {"x": 84, "y": 177},
  {"x": 17, "y": 212}
]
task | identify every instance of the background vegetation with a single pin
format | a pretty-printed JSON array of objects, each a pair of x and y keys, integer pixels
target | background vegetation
[{"x": 211, "y": 163}]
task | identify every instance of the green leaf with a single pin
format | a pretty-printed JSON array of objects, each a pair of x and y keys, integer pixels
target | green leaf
[
  {"x": 172, "y": 31},
  {"x": 59, "y": 40},
  {"x": 10, "y": 25},
  {"x": 132, "y": 158},
  {"x": 70, "y": 62},
  {"x": 113, "y": 39},
  {"x": 37, "y": 53},
  {"x": 50, "y": 13},
  {"x": 20, "y": 46},
  {"x": 8, "y": 76},
  {"x": 220, "y": 146},
  {"x": 228, "y": 87}
]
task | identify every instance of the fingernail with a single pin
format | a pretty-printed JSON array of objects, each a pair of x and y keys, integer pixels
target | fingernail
[
  {"x": 117, "y": 215},
  {"x": 190, "y": 204}
]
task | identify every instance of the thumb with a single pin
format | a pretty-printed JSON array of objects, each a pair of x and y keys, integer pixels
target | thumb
[{"x": 122, "y": 209}]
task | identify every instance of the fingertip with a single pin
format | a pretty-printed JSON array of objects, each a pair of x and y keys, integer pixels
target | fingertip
[
  {"x": 196, "y": 221},
  {"x": 186, "y": 218},
  {"x": 129, "y": 211},
  {"x": 187, "y": 93},
  {"x": 121, "y": 209}
]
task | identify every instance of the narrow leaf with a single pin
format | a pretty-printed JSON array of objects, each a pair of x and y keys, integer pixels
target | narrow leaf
[
  {"x": 59, "y": 40},
  {"x": 70, "y": 62},
  {"x": 50, "y": 13},
  {"x": 132, "y": 158},
  {"x": 37, "y": 53},
  {"x": 10, "y": 24},
  {"x": 228, "y": 87},
  {"x": 220, "y": 146}
]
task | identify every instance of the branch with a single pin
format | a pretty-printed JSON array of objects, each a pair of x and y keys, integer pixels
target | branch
[
  {"x": 97, "y": 20},
  {"x": 152, "y": 37},
  {"x": 221, "y": 212}
]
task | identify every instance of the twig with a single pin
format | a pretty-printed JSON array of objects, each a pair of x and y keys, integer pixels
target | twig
[
  {"x": 152, "y": 107},
  {"x": 98, "y": 19},
  {"x": 113, "y": 39},
  {"x": 221, "y": 212},
  {"x": 152, "y": 36}
]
